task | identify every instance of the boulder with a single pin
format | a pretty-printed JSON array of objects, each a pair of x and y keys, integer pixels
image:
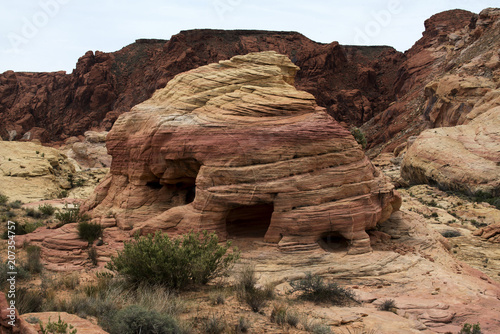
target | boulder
[
  {"x": 234, "y": 148},
  {"x": 464, "y": 158}
]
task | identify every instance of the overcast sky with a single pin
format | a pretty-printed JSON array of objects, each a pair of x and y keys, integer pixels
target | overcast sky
[{"x": 50, "y": 35}]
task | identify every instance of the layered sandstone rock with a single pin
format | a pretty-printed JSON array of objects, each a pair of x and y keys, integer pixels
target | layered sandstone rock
[
  {"x": 453, "y": 69},
  {"x": 234, "y": 148},
  {"x": 464, "y": 158},
  {"x": 31, "y": 172}
]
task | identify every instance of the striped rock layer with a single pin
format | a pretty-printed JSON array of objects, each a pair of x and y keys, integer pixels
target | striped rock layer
[{"x": 234, "y": 148}]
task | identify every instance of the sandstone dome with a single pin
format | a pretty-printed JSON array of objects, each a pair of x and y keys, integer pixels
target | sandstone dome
[{"x": 234, "y": 148}]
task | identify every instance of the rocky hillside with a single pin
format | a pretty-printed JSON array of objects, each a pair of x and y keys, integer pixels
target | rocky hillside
[
  {"x": 353, "y": 83},
  {"x": 450, "y": 71}
]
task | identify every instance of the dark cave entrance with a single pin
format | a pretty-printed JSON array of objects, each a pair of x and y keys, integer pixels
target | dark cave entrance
[
  {"x": 187, "y": 189},
  {"x": 333, "y": 242},
  {"x": 251, "y": 221}
]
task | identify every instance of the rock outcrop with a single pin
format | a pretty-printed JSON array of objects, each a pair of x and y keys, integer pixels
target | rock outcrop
[
  {"x": 451, "y": 70},
  {"x": 353, "y": 83},
  {"x": 43, "y": 170},
  {"x": 234, "y": 148},
  {"x": 464, "y": 158}
]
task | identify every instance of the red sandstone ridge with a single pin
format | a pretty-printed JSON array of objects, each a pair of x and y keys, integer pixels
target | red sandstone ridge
[
  {"x": 234, "y": 148},
  {"x": 445, "y": 75},
  {"x": 353, "y": 83}
]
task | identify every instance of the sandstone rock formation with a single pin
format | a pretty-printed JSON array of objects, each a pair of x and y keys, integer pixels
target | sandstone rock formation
[
  {"x": 90, "y": 152},
  {"x": 464, "y": 158},
  {"x": 234, "y": 148},
  {"x": 353, "y": 83},
  {"x": 32, "y": 172},
  {"x": 451, "y": 70}
]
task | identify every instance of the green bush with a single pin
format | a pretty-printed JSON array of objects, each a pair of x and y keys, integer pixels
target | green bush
[
  {"x": 89, "y": 231},
  {"x": 33, "y": 264},
  {"x": 47, "y": 209},
  {"x": 388, "y": 305},
  {"x": 247, "y": 291},
  {"x": 70, "y": 215},
  {"x": 60, "y": 327},
  {"x": 30, "y": 212},
  {"x": 359, "y": 136},
  {"x": 470, "y": 329},
  {"x": 313, "y": 288},
  {"x": 135, "y": 319},
  {"x": 3, "y": 199},
  {"x": 16, "y": 204},
  {"x": 195, "y": 258}
]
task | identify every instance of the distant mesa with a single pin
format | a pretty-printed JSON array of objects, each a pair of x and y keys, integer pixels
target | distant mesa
[{"x": 233, "y": 147}]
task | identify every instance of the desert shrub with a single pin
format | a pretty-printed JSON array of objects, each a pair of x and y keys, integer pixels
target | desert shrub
[
  {"x": 196, "y": 258},
  {"x": 215, "y": 325},
  {"x": 242, "y": 326},
  {"x": 33, "y": 263},
  {"x": 316, "y": 327},
  {"x": 70, "y": 281},
  {"x": 34, "y": 213},
  {"x": 93, "y": 256},
  {"x": 22, "y": 273},
  {"x": 28, "y": 301},
  {"x": 278, "y": 314},
  {"x": 16, "y": 204},
  {"x": 17, "y": 230},
  {"x": 256, "y": 299},
  {"x": 359, "y": 136},
  {"x": 388, "y": 305},
  {"x": 136, "y": 319},
  {"x": 71, "y": 215},
  {"x": 62, "y": 194},
  {"x": 313, "y": 288},
  {"x": 59, "y": 327},
  {"x": 247, "y": 291},
  {"x": 3, "y": 199},
  {"x": 246, "y": 278},
  {"x": 89, "y": 231},
  {"x": 32, "y": 226},
  {"x": 470, "y": 329},
  {"x": 47, "y": 209},
  {"x": 217, "y": 297},
  {"x": 450, "y": 233}
]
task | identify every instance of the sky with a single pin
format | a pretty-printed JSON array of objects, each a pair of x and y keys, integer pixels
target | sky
[{"x": 50, "y": 35}]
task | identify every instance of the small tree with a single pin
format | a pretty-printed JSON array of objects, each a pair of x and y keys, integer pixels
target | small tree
[
  {"x": 359, "y": 136},
  {"x": 192, "y": 259}
]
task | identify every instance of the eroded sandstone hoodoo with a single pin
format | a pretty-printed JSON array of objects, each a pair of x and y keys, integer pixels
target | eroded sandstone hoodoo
[{"x": 234, "y": 148}]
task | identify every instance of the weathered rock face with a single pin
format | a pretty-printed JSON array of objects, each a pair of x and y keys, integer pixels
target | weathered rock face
[
  {"x": 353, "y": 83},
  {"x": 234, "y": 148},
  {"x": 464, "y": 158},
  {"x": 451, "y": 70},
  {"x": 43, "y": 170}
]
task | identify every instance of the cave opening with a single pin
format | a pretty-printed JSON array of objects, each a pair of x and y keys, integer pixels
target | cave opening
[
  {"x": 187, "y": 189},
  {"x": 333, "y": 242},
  {"x": 251, "y": 221}
]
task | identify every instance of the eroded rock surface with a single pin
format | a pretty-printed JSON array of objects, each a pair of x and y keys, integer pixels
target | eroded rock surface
[
  {"x": 464, "y": 158},
  {"x": 449, "y": 77},
  {"x": 353, "y": 83},
  {"x": 32, "y": 172},
  {"x": 234, "y": 148}
]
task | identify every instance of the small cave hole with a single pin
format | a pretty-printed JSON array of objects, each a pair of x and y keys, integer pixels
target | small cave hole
[
  {"x": 154, "y": 184},
  {"x": 250, "y": 221},
  {"x": 333, "y": 242},
  {"x": 188, "y": 189}
]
